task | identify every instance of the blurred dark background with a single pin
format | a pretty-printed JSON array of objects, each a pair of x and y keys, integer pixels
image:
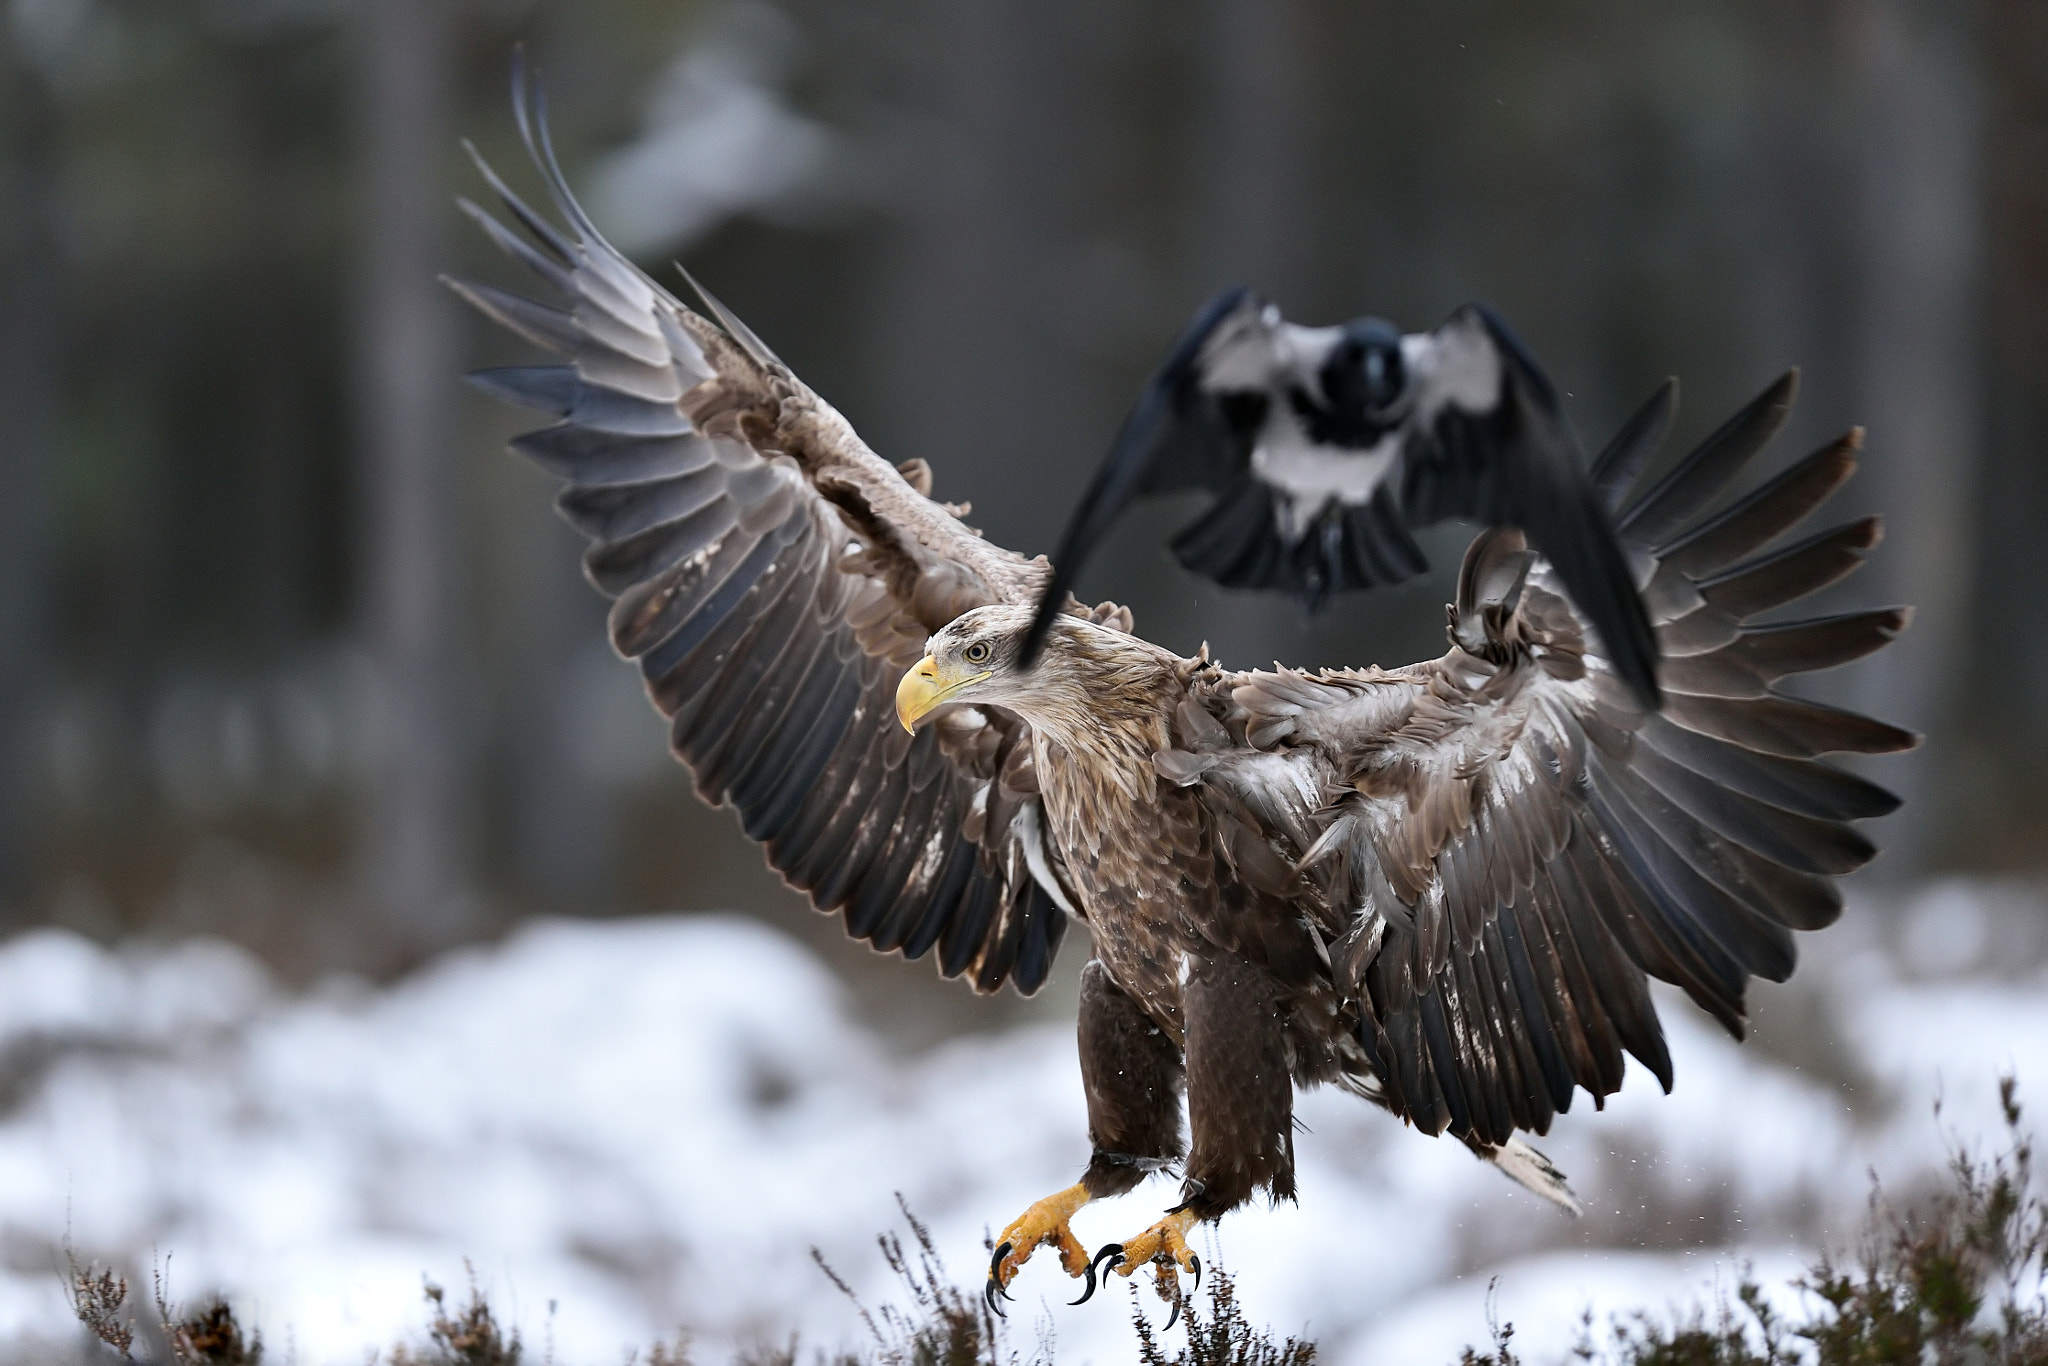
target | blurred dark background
[{"x": 291, "y": 651}]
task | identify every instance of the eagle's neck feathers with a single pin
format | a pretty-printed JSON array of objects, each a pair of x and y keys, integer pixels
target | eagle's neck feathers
[{"x": 1099, "y": 709}]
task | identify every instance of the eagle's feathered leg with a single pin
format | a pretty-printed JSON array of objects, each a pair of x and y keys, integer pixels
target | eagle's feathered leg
[
  {"x": 1132, "y": 1075},
  {"x": 1131, "y": 1072},
  {"x": 1240, "y": 1085},
  {"x": 1240, "y": 1080}
]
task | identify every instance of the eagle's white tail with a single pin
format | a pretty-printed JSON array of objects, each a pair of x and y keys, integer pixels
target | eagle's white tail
[{"x": 1527, "y": 1167}]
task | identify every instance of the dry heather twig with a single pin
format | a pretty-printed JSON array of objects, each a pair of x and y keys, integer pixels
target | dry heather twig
[
  {"x": 1958, "y": 1280},
  {"x": 469, "y": 1337},
  {"x": 99, "y": 1299},
  {"x": 1221, "y": 1337},
  {"x": 207, "y": 1336}
]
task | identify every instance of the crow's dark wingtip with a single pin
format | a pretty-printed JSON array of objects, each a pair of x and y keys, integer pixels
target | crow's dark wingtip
[
  {"x": 1034, "y": 645},
  {"x": 1645, "y": 688},
  {"x": 1049, "y": 607}
]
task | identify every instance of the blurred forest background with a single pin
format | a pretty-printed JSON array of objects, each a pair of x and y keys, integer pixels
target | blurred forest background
[{"x": 292, "y": 652}]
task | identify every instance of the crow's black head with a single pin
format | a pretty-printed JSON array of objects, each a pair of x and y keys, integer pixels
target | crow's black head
[{"x": 1363, "y": 373}]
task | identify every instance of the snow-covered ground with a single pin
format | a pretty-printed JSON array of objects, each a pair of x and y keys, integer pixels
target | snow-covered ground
[{"x": 632, "y": 1127}]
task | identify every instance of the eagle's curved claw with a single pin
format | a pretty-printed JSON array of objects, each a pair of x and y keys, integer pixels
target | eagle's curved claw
[
  {"x": 1166, "y": 1273},
  {"x": 1089, "y": 1293},
  {"x": 995, "y": 1286},
  {"x": 995, "y": 1266},
  {"x": 1045, "y": 1222},
  {"x": 1111, "y": 1253}
]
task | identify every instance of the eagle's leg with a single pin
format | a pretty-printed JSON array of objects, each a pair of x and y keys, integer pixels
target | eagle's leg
[
  {"x": 1131, "y": 1072},
  {"x": 1240, "y": 1082}
]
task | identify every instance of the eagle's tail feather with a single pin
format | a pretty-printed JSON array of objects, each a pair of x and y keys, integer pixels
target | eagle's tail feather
[
  {"x": 1518, "y": 1161},
  {"x": 1530, "y": 1169}
]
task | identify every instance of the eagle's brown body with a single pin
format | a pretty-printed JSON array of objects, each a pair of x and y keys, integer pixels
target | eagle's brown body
[
  {"x": 1443, "y": 887},
  {"x": 1183, "y": 939}
]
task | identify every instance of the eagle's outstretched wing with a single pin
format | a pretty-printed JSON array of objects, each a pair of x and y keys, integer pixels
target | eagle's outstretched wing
[
  {"x": 1503, "y": 842},
  {"x": 773, "y": 578},
  {"x": 1325, "y": 445}
]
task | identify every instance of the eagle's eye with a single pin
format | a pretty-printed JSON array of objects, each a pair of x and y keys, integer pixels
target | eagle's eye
[{"x": 977, "y": 653}]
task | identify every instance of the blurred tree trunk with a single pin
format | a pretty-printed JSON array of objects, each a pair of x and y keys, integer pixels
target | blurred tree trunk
[
  {"x": 30, "y": 334},
  {"x": 990, "y": 300},
  {"x": 416, "y": 832},
  {"x": 1919, "y": 363},
  {"x": 2002, "y": 791},
  {"x": 1257, "y": 218},
  {"x": 561, "y": 818}
]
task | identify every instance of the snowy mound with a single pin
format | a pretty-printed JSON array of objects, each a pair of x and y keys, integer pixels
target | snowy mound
[{"x": 628, "y": 1128}]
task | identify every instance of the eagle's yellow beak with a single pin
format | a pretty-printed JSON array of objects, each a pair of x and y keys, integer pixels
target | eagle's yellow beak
[{"x": 924, "y": 688}]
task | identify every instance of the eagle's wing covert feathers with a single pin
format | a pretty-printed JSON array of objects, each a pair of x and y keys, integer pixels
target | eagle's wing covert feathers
[
  {"x": 773, "y": 578},
  {"x": 1504, "y": 844}
]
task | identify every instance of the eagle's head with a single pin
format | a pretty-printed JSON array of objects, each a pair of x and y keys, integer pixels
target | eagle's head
[{"x": 1085, "y": 674}]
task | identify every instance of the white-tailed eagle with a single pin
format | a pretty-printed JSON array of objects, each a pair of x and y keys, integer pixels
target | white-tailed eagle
[{"x": 1443, "y": 887}]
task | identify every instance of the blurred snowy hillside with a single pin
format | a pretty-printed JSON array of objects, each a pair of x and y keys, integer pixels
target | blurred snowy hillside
[{"x": 635, "y": 1126}]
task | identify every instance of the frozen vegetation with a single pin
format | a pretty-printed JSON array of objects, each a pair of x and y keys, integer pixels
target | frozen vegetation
[{"x": 633, "y": 1128}]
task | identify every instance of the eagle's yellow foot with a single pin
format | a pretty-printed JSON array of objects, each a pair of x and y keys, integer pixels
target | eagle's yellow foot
[
  {"x": 1164, "y": 1246},
  {"x": 1045, "y": 1222}
]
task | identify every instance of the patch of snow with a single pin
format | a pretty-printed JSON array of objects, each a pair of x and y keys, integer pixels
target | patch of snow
[
  {"x": 649, "y": 1124},
  {"x": 1549, "y": 1299}
]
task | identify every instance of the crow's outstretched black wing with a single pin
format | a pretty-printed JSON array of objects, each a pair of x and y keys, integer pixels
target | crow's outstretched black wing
[{"x": 1325, "y": 446}]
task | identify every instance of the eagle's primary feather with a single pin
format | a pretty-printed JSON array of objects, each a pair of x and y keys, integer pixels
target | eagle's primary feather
[{"x": 1443, "y": 887}]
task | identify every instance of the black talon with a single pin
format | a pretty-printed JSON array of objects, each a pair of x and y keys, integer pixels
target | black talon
[
  {"x": 995, "y": 1272},
  {"x": 1174, "y": 1317},
  {"x": 995, "y": 1285},
  {"x": 1090, "y": 1291},
  {"x": 1196, "y": 1258},
  {"x": 1109, "y": 1250}
]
